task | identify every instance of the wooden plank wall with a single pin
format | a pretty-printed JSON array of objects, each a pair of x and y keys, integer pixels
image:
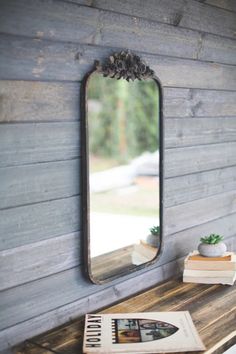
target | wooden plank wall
[{"x": 46, "y": 48}]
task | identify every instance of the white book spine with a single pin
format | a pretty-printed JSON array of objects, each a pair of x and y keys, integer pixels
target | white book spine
[
  {"x": 209, "y": 273},
  {"x": 222, "y": 281}
]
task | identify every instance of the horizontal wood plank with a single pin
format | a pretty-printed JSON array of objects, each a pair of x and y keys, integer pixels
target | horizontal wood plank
[
  {"x": 17, "y": 222},
  {"x": 224, "y": 4},
  {"x": 38, "y": 101},
  {"x": 38, "y": 142},
  {"x": 52, "y": 101},
  {"x": 190, "y": 14},
  {"x": 186, "y": 188},
  {"x": 74, "y": 23},
  {"x": 170, "y": 296},
  {"x": 74, "y": 332},
  {"x": 77, "y": 296},
  {"x": 47, "y": 181},
  {"x": 44, "y": 142},
  {"x": 39, "y": 182},
  {"x": 63, "y": 252},
  {"x": 198, "y": 103},
  {"x": 35, "y": 222},
  {"x": 187, "y": 160},
  {"x": 198, "y": 212},
  {"x": 49, "y": 257},
  {"x": 172, "y": 72},
  {"x": 36, "y": 300},
  {"x": 199, "y": 131}
]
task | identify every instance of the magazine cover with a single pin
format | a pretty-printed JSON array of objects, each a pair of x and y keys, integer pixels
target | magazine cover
[{"x": 170, "y": 332}]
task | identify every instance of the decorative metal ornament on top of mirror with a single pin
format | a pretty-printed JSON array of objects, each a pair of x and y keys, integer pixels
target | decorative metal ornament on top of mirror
[{"x": 122, "y": 167}]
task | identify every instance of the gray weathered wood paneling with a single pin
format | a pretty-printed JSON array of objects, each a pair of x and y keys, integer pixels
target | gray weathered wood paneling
[
  {"x": 189, "y": 14},
  {"x": 199, "y": 103},
  {"x": 186, "y": 160},
  {"x": 80, "y": 58},
  {"x": 34, "y": 222},
  {"x": 182, "y": 189},
  {"x": 224, "y": 4},
  {"x": 79, "y": 24},
  {"x": 199, "y": 131},
  {"x": 52, "y": 101},
  {"x": 38, "y": 142},
  {"x": 62, "y": 253},
  {"x": 67, "y": 287},
  {"x": 184, "y": 216},
  {"x": 38, "y": 101},
  {"x": 47, "y": 46},
  {"x": 39, "y": 182},
  {"x": 89, "y": 303},
  {"x": 49, "y": 257},
  {"x": 47, "y": 181},
  {"x": 69, "y": 311}
]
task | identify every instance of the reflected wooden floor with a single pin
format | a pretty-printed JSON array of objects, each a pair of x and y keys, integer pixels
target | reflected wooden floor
[
  {"x": 112, "y": 263},
  {"x": 121, "y": 261}
]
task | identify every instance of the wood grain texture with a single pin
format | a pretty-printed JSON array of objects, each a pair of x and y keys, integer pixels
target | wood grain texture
[
  {"x": 199, "y": 131},
  {"x": 63, "y": 252},
  {"x": 198, "y": 212},
  {"x": 190, "y": 14},
  {"x": 44, "y": 142},
  {"x": 80, "y": 58},
  {"x": 182, "y": 189},
  {"x": 49, "y": 257},
  {"x": 38, "y": 142},
  {"x": 170, "y": 296},
  {"x": 46, "y": 49},
  {"x": 39, "y": 182},
  {"x": 36, "y": 309},
  {"x": 187, "y": 160},
  {"x": 35, "y": 222},
  {"x": 51, "y": 101},
  {"x": 198, "y": 103},
  {"x": 38, "y": 101},
  {"x": 84, "y": 303},
  {"x": 47, "y": 181},
  {"x": 73, "y": 23},
  {"x": 28, "y": 223},
  {"x": 224, "y": 4}
]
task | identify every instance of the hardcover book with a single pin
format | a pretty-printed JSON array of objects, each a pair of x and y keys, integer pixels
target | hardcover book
[
  {"x": 150, "y": 332},
  {"x": 196, "y": 262}
]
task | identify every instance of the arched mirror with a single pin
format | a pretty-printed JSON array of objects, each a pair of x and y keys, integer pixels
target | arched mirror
[{"x": 122, "y": 164}]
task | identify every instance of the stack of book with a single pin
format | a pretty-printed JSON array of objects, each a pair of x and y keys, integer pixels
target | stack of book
[
  {"x": 210, "y": 270},
  {"x": 143, "y": 253}
]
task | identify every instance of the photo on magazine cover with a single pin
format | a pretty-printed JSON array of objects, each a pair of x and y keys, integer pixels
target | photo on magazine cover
[{"x": 140, "y": 330}]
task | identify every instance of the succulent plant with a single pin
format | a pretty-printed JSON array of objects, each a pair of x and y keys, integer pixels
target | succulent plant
[
  {"x": 155, "y": 230},
  {"x": 212, "y": 239}
]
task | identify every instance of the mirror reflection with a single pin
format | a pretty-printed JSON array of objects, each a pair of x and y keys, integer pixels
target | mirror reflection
[{"x": 123, "y": 144}]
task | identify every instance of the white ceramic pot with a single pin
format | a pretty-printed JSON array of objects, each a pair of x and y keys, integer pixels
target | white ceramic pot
[
  {"x": 207, "y": 250},
  {"x": 153, "y": 240}
]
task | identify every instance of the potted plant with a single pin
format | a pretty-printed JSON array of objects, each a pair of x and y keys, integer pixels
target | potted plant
[
  {"x": 212, "y": 246},
  {"x": 153, "y": 239}
]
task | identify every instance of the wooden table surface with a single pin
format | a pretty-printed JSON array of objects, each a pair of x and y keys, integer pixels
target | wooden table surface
[{"x": 212, "y": 307}]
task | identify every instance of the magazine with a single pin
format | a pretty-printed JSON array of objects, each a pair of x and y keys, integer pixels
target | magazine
[{"x": 149, "y": 332}]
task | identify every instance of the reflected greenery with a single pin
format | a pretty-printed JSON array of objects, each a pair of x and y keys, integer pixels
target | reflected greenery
[
  {"x": 121, "y": 117},
  {"x": 123, "y": 139}
]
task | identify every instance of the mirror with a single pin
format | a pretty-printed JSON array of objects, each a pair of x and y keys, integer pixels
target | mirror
[{"x": 122, "y": 208}]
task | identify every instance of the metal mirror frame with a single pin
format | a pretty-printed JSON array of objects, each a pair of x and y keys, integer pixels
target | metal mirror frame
[{"x": 129, "y": 66}]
